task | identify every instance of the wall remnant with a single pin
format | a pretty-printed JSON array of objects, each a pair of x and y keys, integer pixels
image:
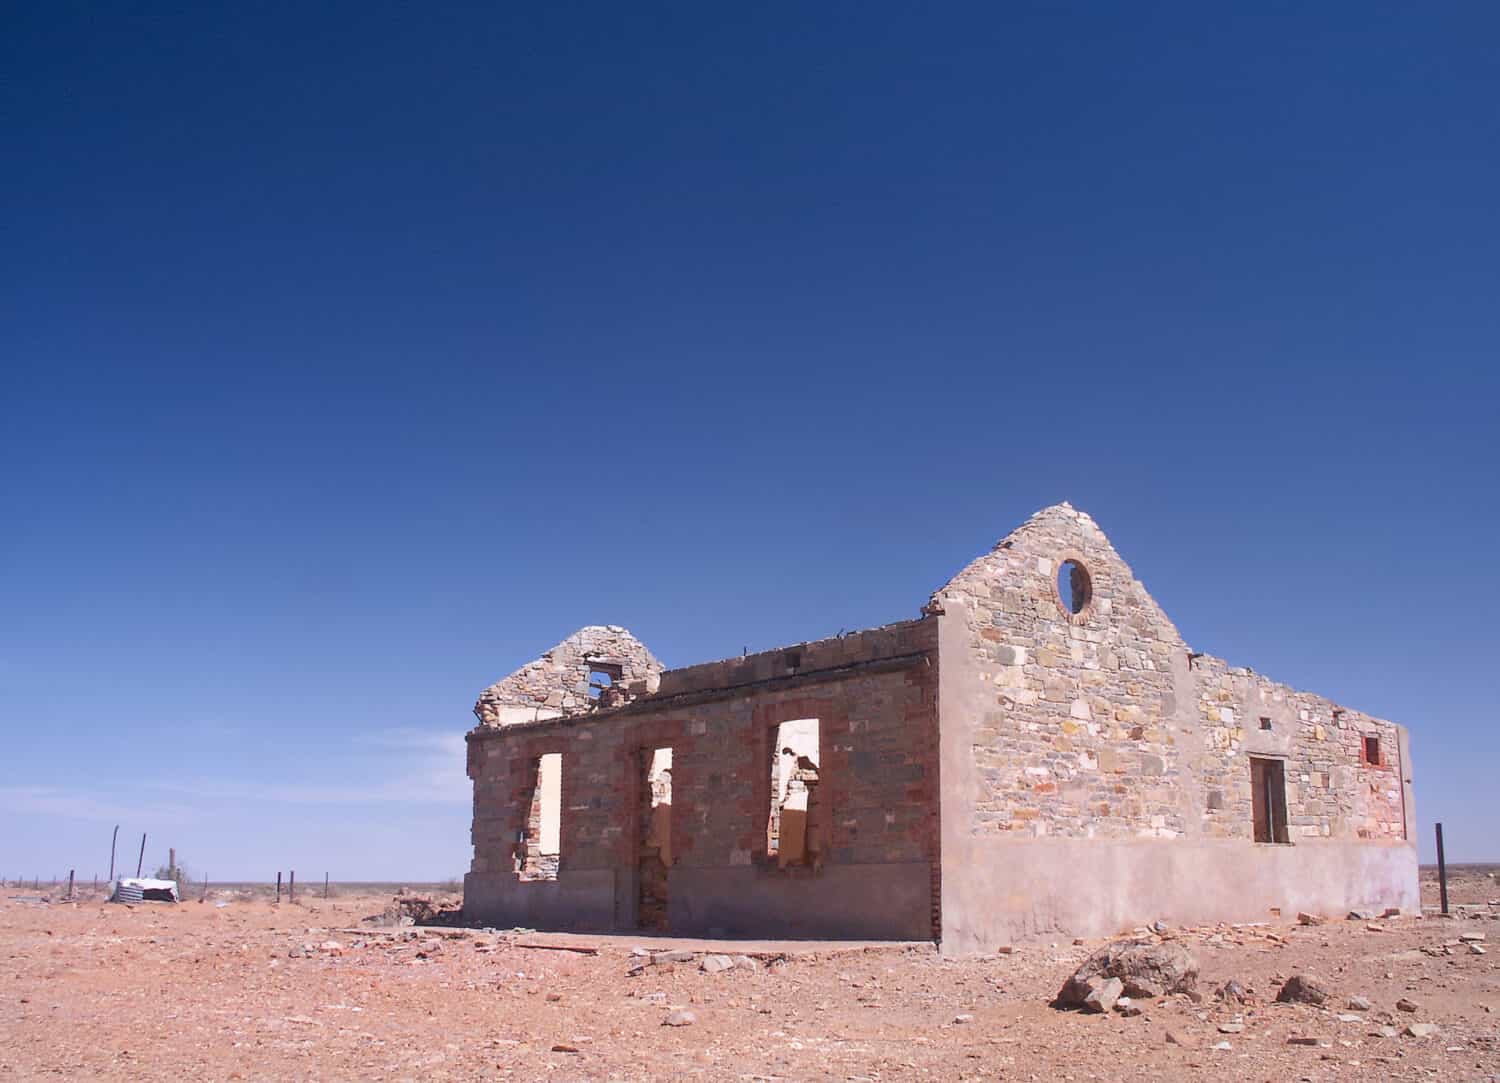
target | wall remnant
[
  {"x": 944, "y": 778},
  {"x": 595, "y": 668}
]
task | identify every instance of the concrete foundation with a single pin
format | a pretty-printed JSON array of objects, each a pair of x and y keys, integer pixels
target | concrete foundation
[
  {"x": 865, "y": 902},
  {"x": 576, "y": 900},
  {"x": 1017, "y": 891}
]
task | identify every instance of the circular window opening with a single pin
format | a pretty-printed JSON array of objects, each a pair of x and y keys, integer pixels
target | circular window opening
[{"x": 1074, "y": 588}]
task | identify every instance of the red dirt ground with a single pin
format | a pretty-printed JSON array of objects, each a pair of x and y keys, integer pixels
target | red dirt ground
[{"x": 202, "y": 991}]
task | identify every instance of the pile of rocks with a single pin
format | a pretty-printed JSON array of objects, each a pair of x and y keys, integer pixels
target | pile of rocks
[
  {"x": 641, "y": 960},
  {"x": 407, "y": 908},
  {"x": 1129, "y": 970}
]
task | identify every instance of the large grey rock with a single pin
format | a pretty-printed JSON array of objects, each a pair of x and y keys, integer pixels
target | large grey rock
[
  {"x": 1303, "y": 989},
  {"x": 1104, "y": 994},
  {"x": 1145, "y": 969}
]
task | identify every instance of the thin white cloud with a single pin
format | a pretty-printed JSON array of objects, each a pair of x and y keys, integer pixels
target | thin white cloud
[
  {"x": 432, "y": 772},
  {"x": 441, "y": 742},
  {"x": 78, "y": 805}
]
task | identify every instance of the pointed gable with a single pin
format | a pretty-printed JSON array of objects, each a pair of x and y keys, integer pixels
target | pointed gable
[
  {"x": 1019, "y": 577},
  {"x": 561, "y": 682},
  {"x": 1063, "y": 706}
]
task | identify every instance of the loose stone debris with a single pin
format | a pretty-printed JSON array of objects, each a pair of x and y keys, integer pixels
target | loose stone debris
[
  {"x": 1144, "y": 970},
  {"x": 309, "y": 991},
  {"x": 1303, "y": 989}
]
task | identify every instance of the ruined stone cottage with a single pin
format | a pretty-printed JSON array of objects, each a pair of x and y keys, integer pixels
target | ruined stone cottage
[{"x": 1038, "y": 753}]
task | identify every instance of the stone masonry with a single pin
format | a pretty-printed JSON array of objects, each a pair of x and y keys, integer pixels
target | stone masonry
[
  {"x": 1096, "y": 730},
  {"x": 1040, "y": 753},
  {"x": 561, "y": 682}
]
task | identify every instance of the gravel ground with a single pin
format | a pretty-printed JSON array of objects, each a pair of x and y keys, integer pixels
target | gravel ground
[{"x": 250, "y": 990}]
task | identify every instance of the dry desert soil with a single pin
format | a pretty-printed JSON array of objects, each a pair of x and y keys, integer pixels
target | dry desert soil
[{"x": 238, "y": 987}]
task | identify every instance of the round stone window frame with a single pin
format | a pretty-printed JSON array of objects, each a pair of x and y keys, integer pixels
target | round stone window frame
[{"x": 1083, "y": 615}]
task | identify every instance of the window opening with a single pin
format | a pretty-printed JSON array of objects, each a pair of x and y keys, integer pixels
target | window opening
[
  {"x": 654, "y": 853},
  {"x": 1372, "y": 751},
  {"x": 540, "y": 846},
  {"x": 1268, "y": 800},
  {"x": 603, "y": 678},
  {"x": 1074, "y": 587},
  {"x": 790, "y": 837},
  {"x": 1265, "y": 723}
]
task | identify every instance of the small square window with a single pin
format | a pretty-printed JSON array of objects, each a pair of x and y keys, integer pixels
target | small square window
[
  {"x": 1265, "y": 724},
  {"x": 1372, "y": 751}
]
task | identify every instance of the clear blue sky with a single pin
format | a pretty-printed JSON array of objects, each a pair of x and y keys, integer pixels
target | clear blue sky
[{"x": 353, "y": 354}]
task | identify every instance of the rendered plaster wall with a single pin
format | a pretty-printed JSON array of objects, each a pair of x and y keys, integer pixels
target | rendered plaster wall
[
  {"x": 1097, "y": 775},
  {"x": 874, "y": 826}
]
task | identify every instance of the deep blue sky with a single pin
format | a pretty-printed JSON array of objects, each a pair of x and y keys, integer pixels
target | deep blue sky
[{"x": 355, "y": 354}]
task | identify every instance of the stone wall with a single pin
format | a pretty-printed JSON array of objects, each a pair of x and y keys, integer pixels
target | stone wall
[
  {"x": 1075, "y": 736},
  {"x": 1098, "y": 740},
  {"x": 874, "y": 696},
  {"x": 558, "y": 683},
  {"x": 1103, "y": 724},
  {"x": 1332, "y": 791},
  {"x": 1042, "y": 753}
]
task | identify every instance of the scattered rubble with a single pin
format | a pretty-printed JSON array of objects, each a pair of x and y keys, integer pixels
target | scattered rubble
[
  {"x": 310, "y": 991},
  {"x": 1102, "y": 994},
  {"x": 407, "y": 909},
  {"x": 1145, "y": 970}
]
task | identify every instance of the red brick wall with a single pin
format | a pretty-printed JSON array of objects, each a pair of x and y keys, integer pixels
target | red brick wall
[{"x": 874, "y": 694}]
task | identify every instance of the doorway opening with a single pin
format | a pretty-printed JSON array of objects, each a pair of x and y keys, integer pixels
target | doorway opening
[
  {"x": 1268, "y": 800},
  {"x": 654, "y": 846}
]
